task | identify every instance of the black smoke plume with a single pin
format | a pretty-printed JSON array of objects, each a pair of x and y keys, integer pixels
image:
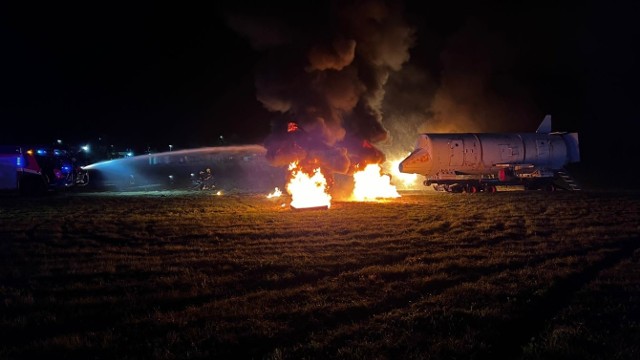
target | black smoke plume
[{"x": 324, "y": 68}]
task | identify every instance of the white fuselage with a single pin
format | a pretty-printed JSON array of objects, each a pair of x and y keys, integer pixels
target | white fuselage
[{"x": 444, "y": 155}]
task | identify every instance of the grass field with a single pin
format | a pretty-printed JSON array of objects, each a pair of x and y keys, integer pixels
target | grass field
[{"x": 182, "y": 275}]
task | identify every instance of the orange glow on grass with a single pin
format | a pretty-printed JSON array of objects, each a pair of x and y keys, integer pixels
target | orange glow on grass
[
  {"x": 371, "y": 184},
  {"x": 307, "y": 190}
]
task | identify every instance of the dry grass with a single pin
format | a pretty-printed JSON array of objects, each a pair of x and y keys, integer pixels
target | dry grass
[{"x": 178, "y": 275}]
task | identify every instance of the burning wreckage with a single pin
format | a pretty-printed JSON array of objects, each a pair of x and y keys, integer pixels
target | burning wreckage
[
  {"x": 310, "y": 152},
  {"x": 330, "y": 78},
  {"x": 313, "y": 164}
]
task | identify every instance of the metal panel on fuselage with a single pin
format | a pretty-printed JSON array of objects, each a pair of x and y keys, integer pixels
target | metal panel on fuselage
[
  {"x": 472, "y": 151},
  {"x": 457, "y": 152},
  {"x": 486, "y": 153},
  {"x": 545, "y": 150},
  {"x": 501, "y": 149},
  {"x": 479, "y": 152}
]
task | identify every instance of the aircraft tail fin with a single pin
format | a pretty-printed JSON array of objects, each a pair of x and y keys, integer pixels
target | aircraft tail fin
[{"x": 545, "y": 125}]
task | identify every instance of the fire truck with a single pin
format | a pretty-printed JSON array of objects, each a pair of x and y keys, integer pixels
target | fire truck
[{"x": 35, "y": 170}]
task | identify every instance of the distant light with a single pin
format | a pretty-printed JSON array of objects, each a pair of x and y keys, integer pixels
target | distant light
[
  {"x": 59, "y": 141},
  {"x": 171, "y": 177},
  {"x": 170, "y": 147},
  {"x": 85, "y": 148},
  {"x": 130, "y": 154},
  {"x": 41, "y": 152},
  {"x": 19, "y": 161}
]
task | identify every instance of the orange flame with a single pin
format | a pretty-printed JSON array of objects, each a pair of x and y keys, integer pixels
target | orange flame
[
  {"x": 406, "y": 180},
  {"x": 276, "y": 193},
  {"x": 291, "y": 127},
  {"x": 371, "y": 185},
  {"x": 307, "y": 191}
]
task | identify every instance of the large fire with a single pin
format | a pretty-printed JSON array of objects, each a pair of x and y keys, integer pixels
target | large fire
[
  {"x": 407, "y": 180},
  {"x": 307, "y": 190},
  {"x": 310, "y": 190},
  {"x": 371, "y": 184}
]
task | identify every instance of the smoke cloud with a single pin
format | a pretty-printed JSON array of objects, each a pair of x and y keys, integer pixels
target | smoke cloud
[
  {"x": 477, "y": 93},
  {"x": 338, "y": 68},
  {"x": 326, "y": 70},
  {"x": 468, "y": 87}
]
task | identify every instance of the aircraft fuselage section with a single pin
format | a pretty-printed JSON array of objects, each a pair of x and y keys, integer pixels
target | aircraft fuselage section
[{"x": 490, "y": 156}]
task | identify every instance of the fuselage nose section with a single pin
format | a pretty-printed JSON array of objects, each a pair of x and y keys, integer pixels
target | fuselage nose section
[{"x": 416, "y": 163}]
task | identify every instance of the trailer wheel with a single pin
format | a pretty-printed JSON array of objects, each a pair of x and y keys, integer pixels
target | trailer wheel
[
  {"x": 490, "y": 188},
  {"x": 440, "y": 187},
  {"x": 471, "y": 189}
]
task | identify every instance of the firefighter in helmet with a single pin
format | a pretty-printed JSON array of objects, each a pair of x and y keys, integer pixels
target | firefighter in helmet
[{"x": 204, "y": 176}]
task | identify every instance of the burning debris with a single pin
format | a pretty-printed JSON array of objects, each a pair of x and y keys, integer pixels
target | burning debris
[
  {"x": 371, "y": 185},
  {"x": 312, "y": 186},
  {"x": 308, "y": 190},
  {"x": 311, "y": 190},
  {"x": 309, "y": 152}
]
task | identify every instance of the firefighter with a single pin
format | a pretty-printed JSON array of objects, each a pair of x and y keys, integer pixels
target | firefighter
[{"x": 204, "y": 176}]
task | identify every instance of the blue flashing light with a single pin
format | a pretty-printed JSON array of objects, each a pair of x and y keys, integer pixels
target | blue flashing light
[
  {"x": 19, "y": 161},
  {"x": 66, "y": 169},
  {"x": 57, "y": 152},
  {"x": 41, "y": 152}
]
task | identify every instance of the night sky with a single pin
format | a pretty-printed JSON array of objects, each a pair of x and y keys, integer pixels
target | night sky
[{"x": 148, "y": 75}]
